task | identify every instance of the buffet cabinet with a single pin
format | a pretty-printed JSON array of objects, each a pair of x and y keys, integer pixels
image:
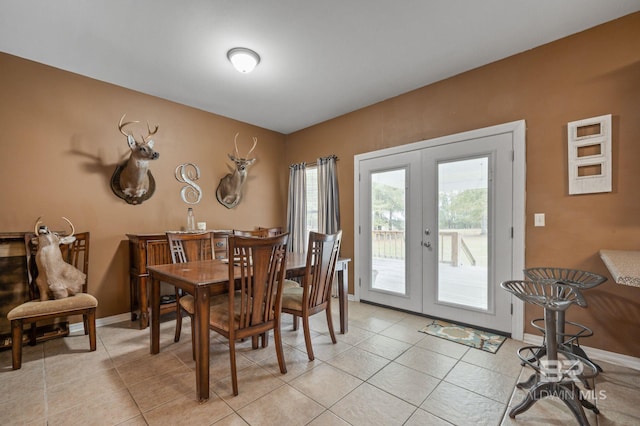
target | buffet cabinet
[{"x": 153, "y": 249}]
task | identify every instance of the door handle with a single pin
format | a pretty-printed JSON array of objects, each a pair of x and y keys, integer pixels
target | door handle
[{"x": 427, "y": 244}]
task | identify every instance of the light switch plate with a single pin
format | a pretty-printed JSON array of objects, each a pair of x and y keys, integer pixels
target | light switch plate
[{"x": 538, "y": 219}]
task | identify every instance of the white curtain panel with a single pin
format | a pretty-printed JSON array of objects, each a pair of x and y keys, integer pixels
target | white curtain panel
[
  {"x": 328, "y": 196},
  {"x": 297, "y": 208}
]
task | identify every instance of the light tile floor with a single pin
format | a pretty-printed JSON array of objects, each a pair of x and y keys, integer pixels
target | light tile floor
[{"x": 382, "y": 372}]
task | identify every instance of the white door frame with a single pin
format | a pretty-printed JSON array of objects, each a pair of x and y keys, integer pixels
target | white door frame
[{"x": 517, "y": 130}]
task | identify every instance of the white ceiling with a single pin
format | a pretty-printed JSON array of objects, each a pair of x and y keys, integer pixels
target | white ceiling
[{"x": 320, "y": 59}]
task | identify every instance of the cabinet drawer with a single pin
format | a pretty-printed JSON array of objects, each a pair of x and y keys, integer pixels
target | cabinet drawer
[{"x": 220, "y": 247}]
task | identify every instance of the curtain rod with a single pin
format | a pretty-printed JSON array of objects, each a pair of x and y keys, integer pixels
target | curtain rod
[{"x": 315, "y": 163}]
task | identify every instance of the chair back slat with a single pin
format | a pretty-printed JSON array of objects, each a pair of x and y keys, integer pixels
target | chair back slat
[
  {"x": 190, "y": 247},
  {"x": 32, "y": 268},
  {"x": 322, "y": 257},
  {"x": 271, "y": 232},
  {"x": 260, "y": 232},
  {"x": 258, "y": 269}
]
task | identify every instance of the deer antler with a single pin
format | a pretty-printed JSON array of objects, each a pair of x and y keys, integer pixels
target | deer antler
[
  {"x": 151, "y": 133},
  {"x": 235, "y": 143},
  {"x": 35, "y": 228},
  {"x": 122, "y": 125},
  {"x": 255, "y": 142},
  {"x": 73, "y": 229}
]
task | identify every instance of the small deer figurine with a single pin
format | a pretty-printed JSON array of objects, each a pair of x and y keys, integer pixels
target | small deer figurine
[
  {"x": 229, "y": 189},
  {"x": 132, "y": 180}
]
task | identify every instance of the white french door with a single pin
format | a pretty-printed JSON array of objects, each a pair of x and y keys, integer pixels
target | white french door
[
  {"x": 390, "y": 226},
  {"x": 467, "y": 219},
  {"x": 435, "y": 228}
]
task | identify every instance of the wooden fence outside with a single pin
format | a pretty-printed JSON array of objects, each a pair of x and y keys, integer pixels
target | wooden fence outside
[{"x": 391, "y": 245}]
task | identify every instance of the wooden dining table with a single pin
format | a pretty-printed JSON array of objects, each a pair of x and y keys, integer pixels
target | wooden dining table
[{"x": 207, "y": 278}]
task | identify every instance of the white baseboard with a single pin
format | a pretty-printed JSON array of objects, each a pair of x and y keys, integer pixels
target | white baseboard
[{"x": 594, "y": 353}]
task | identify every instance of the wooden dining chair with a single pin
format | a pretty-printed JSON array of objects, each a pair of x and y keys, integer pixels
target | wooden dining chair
[
  {"x": 190, "y": 247},
  {"x": 314, "y": 295},
  {"x": 37, "y": 310},
  {"x": 254, "y": 307},
  {"x": 271, "y": 232},
  {"x": 262, "y": 232},
  {"x": 255, "y": 233}
]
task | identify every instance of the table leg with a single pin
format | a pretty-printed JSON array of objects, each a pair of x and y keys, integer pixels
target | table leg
[
  {"x": 144, "y": 303},
  {"x": 155, "y": 316},
  {"x": 133, "y": 297},
  {"x": 201, "y": 324},
  {"x": 343, "y": 292}
]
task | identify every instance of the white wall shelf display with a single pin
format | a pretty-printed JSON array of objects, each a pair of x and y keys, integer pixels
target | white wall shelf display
[{"x": 589, "y": 143}]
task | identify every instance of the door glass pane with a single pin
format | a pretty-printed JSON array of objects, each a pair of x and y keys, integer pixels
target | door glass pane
[
  {"x": 388, "y": 206},
  {"x": 463, "y": 241}
]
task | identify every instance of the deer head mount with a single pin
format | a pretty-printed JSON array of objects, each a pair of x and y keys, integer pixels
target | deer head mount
[
  {"x": 56, "y": 278},
  {"x": 229, "y": 189},
  {"x": 132, "y": 180}
]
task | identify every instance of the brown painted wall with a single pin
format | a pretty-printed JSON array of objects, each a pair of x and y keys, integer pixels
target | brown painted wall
[
  {"x": 59, "y": 144},
  {"x": 589, "y": 74}
]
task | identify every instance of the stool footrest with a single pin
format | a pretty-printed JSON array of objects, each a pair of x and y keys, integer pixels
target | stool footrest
[
  {"x": 567, "y": 337},
  {"x": 568, "y": 368}
]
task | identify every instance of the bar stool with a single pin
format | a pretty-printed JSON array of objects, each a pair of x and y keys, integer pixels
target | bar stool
[
  {"x": 557, "y": 371},
  {"x": 575, "y": 278}
]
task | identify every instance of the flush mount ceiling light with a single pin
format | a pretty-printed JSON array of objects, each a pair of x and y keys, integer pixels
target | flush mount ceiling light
[{"x": 243, "y": 59}]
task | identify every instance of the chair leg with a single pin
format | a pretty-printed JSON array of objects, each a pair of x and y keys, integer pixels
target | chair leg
[
  {"x": 178, "y": 323},
  {"x": 232, "y": 359},
  {"x": 16, "y": 344},
  {"x": 307, "y": 336},
  {"x": 330, "y": 325},
  {"x": 90, "y": 319},
  {"x": 295, "y": 322},
  {"x": 277, "y": 336},
  {"x": 264, "y": 338}
]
